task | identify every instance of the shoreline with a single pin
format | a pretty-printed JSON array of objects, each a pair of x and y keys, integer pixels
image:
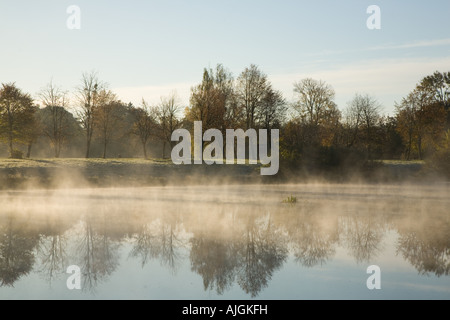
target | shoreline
[{"x": 91, "y": 173}]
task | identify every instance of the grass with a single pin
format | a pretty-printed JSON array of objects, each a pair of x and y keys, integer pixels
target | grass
[
  {"x": 19, "y": 173},
  {"x": 402, "y": 162},
  {"x": 291, "y": 199},
  {"x": 77, "y": 162}
]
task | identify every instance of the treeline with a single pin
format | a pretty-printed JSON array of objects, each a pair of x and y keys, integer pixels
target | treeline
[{"x": 314, "y": 131}]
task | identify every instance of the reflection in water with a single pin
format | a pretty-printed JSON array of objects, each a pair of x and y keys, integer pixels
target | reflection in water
[
  {"x": 234, "y": 238},
  {"x": 159, "y": 240},
  {"x": 51, "y": 249},
  {"x": 261, "y": 251},
  {"x": 427, "y": 247},
  {"x": 97, "y": 253},
  {"x": 16, "y": 250},
  {"x": 313, "y": 237},
  {"x": 363, "y": 236}
]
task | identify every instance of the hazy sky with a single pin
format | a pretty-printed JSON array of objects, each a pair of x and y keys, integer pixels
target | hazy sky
[{"x": 146, "y": 49}]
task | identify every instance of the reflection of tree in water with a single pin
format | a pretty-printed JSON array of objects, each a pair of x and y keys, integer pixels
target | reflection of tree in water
[
  {"x": 146, "y": 245},
  {"x": 261, "y": 250},
  {"x": 248, "y": 252},
  {"x": 52, "y": 250},
  {"x": 312, "y": 234},
  {"x": 363, "y": 235},
  {"x": 159, "y": 240},
  {"x": 16, "y": 252},
  {"x": 98, "y": 253},
  {"x": 427, "y": 247},
  {"x": 215, "y": 260},
  {"x": 312, "y": 246}
]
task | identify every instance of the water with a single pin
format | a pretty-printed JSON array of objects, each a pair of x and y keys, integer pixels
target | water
[{"x": 226, "y": 242}]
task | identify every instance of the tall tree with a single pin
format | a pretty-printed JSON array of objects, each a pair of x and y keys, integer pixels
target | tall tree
[
  {"x": 168, "y": 121},
  {"x": 273, "y": 109},
  {"x": 437, "y": 86},
  {"x": 88, "y": 98},
  {"x": 317, "y": 110},
  {"x": 144, "y": 124},
  {"x": 251, "y": 89},
  {"x": 32, "y": 131},
  {"x": 314, "y": 99},
  {"x": 107, "y": 118},
  {"x": 55, "y": 122},
  {"x": 365, "y": 111},
  {"x": 437, "y": 89},
  {"x": 204, "y": 106},
  {"x": 421, "y": 117},
  {"x": 16, "y": 113}
]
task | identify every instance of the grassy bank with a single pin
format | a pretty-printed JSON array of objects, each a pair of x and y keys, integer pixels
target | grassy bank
[
  {"x": 56, "y": 173},
  {"x": 79, "y": 173}
]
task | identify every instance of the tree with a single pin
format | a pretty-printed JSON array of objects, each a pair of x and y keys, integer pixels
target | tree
[
  {"x": 204, "y": 103},
  {"x": 314, "y": 99},
  {"x": 421, "y": 116},
  {"x": 16, "y": 113},
  {"x": 437, "y": 86},
  {"x": 227, "y": 100},
  {"x": 144, "y": 124},
  {"x": 408, "y": 125},
  {"x": 363, "y": 114},
  {"x": 55, "y": 122},
  {"x": 88, "y": 98},
  {"x": 32, "y": 131},
  {"x": 317, "y": 110},
  {"x": 273, "y": 109},
  {"x": 251, "y": 89},
  {"x": 107, "y": 118},
  {"x": 215, "y": 101},
  {"x": 167, "y": 117}
]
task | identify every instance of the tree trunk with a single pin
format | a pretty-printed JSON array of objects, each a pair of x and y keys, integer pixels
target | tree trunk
[
  {"x": 57, "y": 151},
  {"x": 164, "y": 150},
  {"x": 10, "y": 140},
  {"x": 88, "y": 147},
  {"x": 419, "y": 147},
  {"x": 104, "y": 149},
  {"x": 29, "y": 150},
  {"x": 11, "y": 149},
  {"x": 145, "y": 150}
]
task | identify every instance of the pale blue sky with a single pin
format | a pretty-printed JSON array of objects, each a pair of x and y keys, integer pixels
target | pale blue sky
[{"x": 149, "y": 48}]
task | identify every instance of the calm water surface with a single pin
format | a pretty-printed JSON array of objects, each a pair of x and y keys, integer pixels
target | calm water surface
[{"x": 235, "y": 242}]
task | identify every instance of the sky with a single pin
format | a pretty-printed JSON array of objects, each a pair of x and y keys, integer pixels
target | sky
[{"x": 148, "y": 49}]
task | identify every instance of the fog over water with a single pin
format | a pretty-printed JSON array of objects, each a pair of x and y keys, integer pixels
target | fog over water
[{"x": 227, "y": 242}]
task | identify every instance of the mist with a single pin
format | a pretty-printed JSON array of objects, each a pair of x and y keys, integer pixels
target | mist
[{"x": 235, "y": 237}]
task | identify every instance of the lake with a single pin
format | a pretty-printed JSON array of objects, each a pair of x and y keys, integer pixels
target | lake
[{"x": 226, "y": 242}]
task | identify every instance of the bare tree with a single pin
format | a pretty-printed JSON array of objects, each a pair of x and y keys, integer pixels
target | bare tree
[
  {"x": 55, "y": 120},
  {"x": 365, "y": 112},
  {"x": 88, "y": 98},
  {"x": 107, "y": 118},
  {"x": 273, "y": 109},
  {"x": 251, "y": 89},
  {"x": 314, "y": 99},
  {"x": 167, "y": 116},
  {"x": 144, "y": 124},
  {"x": 318, "y": 112}
]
